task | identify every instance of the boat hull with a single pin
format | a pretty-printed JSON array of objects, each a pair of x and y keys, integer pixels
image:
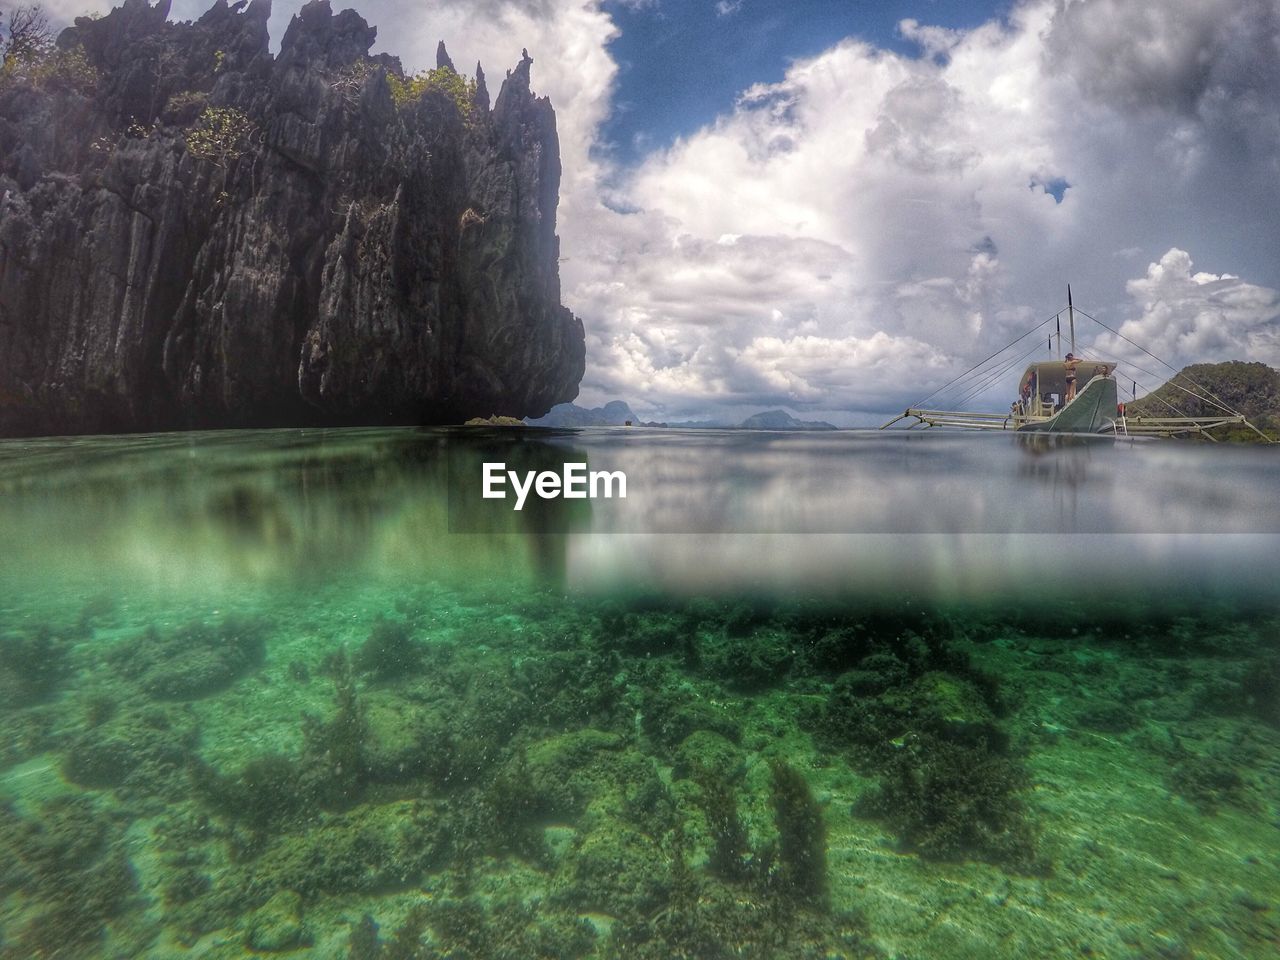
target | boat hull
[{"x": 1093, "y": 410}]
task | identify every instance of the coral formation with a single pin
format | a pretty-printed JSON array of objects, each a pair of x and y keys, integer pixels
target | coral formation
[
  {"x": 802, "y": 836},
  {"x": 389, "y": 651},
  {"x": 139, "y": 751},
  {"x": 32, "y": 664},
  {"x": 69, "y": 862},
  {"x": 192, "y": 661},
  {"x": 580, "y": 779}
]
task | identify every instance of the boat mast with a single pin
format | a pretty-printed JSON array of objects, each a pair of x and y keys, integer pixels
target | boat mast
[{"x": 1071, "y": 321}]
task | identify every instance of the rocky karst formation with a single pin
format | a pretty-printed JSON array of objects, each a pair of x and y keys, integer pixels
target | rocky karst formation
[{"x": 195, "y": 233}]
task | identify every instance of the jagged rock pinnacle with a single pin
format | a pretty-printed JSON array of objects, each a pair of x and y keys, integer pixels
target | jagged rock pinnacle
[
  {"x": 481, "y": 98},
  {"x": 442, "y": 58}
]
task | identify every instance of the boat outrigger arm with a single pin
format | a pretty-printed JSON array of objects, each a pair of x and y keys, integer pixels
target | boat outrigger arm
[
  {"x": 1048, "y": 402},
  {"x": 1042, "y": 407},
  {"x": 1119, "y": 424}
]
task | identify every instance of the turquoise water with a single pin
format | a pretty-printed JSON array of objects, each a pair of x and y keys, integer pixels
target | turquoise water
[{"x": 307, "y": 694}]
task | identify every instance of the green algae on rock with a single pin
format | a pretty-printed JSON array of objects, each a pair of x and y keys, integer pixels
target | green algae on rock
[
  {"x": 32, "y": 663},
  {"x": 564, "y": 779},
  {"x": 69, "y": 862},
  {"x": 194, "y": 661}
]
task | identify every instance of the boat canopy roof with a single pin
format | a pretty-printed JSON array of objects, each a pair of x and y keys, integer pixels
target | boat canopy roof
[{"x": 1050, "y": 376}]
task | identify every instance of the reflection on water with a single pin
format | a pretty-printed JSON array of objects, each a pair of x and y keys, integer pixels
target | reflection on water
[
  {"x": 268, "y": 506},
  {"x": 871, "y": 482},
  {"x": 946, "y": 513}
]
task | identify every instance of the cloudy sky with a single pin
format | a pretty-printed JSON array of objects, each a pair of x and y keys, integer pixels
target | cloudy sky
[{"x": 835, "y": 207}]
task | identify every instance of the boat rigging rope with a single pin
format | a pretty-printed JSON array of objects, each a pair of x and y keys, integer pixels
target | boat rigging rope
[
  {"x": 996, "y": 375},
  {"x": 1152, "y": 395},
  {"x": 1217, "y": 401},
  {"x": 1151, "y": 392},
  {"x": 1208, "y": 397},
  {"x": 981, "y": 362},
  {"x": 982, "y": 378}
]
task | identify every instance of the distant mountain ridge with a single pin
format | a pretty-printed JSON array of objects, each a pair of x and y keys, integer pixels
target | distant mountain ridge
[{"x": 617, "y": 413}]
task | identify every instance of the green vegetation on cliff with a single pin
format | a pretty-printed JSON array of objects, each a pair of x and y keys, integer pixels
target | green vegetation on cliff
[
  {"x": 461, "y": 90},
  {"x": 1249, "y": 388},
  {"x": 28, "y": 55}
]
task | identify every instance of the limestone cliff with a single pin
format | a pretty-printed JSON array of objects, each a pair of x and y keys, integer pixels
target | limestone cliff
[{"x": 196, "y": 233}]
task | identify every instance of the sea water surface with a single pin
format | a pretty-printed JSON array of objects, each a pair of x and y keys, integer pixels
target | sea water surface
[{"x": 852, "y": 694}]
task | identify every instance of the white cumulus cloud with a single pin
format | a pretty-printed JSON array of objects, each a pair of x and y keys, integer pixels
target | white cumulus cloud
[{"x": 1191, "y": 316}]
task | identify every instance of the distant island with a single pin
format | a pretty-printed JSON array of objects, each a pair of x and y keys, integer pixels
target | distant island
[
  {"x": 781, "y": 420},
  {"x": 618, "y": 413}
]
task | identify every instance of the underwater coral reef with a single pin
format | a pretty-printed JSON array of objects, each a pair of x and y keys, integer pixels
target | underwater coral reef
[{"x": 432, "y": 772}]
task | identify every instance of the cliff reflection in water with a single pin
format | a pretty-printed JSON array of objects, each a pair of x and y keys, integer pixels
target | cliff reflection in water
[{"x": 264, "y": 506}]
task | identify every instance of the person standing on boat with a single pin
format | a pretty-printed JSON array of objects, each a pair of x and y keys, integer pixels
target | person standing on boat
[{"x": 1070, "y": 365}]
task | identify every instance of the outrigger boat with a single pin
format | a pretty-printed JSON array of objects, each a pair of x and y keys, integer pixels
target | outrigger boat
[
  {"x": 1048, "y": 402},
  {"x": 1042, "y": 405}
]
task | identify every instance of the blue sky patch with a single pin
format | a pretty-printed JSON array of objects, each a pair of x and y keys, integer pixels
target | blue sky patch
[
  {"x": 1055, "y": 187},
  {"x": 684, "y": 62}
]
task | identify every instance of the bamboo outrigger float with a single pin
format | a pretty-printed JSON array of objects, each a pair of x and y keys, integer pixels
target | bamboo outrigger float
[{"x": 1048, "y": 401}]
